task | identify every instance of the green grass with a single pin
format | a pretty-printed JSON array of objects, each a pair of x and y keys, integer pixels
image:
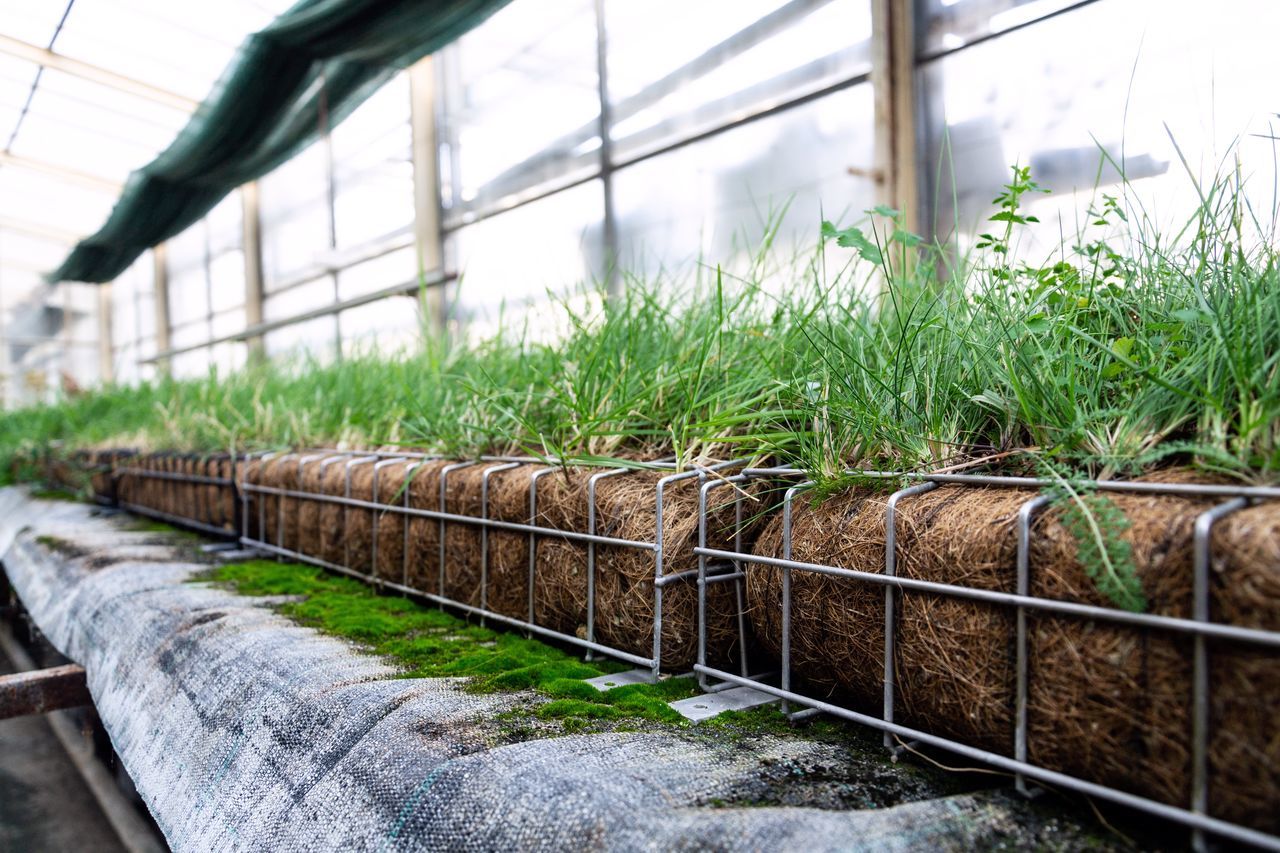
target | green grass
[
  {"x": 424, "y": 642},
  {"x": 1125, "y": 349}
]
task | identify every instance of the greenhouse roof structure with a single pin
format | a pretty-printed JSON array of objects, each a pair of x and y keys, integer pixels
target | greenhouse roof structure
[{"x": 91, "y": 90}]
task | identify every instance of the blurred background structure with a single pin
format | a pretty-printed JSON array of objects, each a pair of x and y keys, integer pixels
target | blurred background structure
[{"x": 570, "y": 141}]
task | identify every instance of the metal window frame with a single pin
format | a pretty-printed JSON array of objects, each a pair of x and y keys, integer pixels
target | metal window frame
[
  {"x": 900, "y": 155},
  {"x": 423, "y": 233},
  {"x": 891, "y": 74}
]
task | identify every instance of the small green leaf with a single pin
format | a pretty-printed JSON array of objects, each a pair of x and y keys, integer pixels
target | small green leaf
[
  {"x": 1190, "y": 315},
  {"x": 1037, "y": 323},
  {"x": 852, "y": 238},
  {"x": 884, "y": 210},
  {"x": 1122, "y": 347},
  {"x": 906, "y": 238}
]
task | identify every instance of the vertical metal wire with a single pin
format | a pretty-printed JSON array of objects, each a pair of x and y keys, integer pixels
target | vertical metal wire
[
  {"x": 533, "y": 537},
  {"x": 1200, "y": 661},
  {"x": 702, "y": 583},
  {"x": 484, "y": 531},
  {"x": 658, "y": 565},
  {"x": 788, "y": 501},
  {"x": 375, "y": 516},
  {"x": 302, "y": 466},
  {"x": 346, "y": 508},
  {"x": 444, "y": 493},
  {"x": 890, "y": 594},
  {"x": 324, "y": 466},
  {"x": 591, "y": 551},
  {"x": 739, "y": 591},
  {"x": 1025, "y": 514},
  {"x": 411, "y": 469},
  {"x": 262, "y": 504},
  {"x": 280, "y": 499}
]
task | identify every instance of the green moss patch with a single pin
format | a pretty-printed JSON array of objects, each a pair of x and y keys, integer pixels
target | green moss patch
[{"x": 425, "y": 642}]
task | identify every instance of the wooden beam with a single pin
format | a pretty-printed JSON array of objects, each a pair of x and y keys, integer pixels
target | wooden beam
[
  {"x": 45, "y": 232},
  {"x": 893, "y": 76},
  {"x": 63, "y": 173},
  {"x": 253, "y": 283},
  {"x": 47, "y": 58},
  {"x": 160, "y": 285},
  {"x": 43, "y": 690},
  {"x": 428, "y": 238}
]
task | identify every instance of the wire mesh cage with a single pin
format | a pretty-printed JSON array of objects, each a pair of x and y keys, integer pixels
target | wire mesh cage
[
  {"x": 894, "y": 622},
  {"x": 582, "y": 555}
]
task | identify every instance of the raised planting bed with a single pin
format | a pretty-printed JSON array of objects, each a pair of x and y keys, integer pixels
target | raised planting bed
[
  {"x": 1117, "y": 638},
  {"x": 278, "y": 705},
  {"x": 1005, "y": 639}
]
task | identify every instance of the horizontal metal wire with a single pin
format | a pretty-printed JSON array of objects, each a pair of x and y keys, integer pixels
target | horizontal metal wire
[
  {"x": 199, "y": 479},
  {"x": 179, "y": 521},
  {"x": 1207, "y": 490},
  {"x": 1254, "y": 636},
  {"x": 395, "y": 509}
]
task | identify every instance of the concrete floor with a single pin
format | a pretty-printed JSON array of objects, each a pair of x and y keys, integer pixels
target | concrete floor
[{"x": 44, "y": 804}]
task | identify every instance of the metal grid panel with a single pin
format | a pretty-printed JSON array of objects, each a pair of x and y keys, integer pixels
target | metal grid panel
[{"x": 1200, "y": 628}]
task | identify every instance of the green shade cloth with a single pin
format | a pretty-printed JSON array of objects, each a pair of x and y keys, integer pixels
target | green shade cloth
[{"x": 305, "y": 72}]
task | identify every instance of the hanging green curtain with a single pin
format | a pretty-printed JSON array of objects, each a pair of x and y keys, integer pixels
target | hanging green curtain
[{"x": 310, "y": 68}]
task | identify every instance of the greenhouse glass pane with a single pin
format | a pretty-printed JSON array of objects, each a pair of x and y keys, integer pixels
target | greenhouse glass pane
[
  {"x": 187, "y": 250},
  {"x": 33, "y": 23},
  {"x": 388, "y": 327},
  {"x": 80, "y": 366},
  {"x": 188, "y": 296},
  {"x": 58, "y": 140},
  {"x": 190, "y": 365},
  {"x": 226, "y": 281},
  {"x": 226, "y": 224},
  {"x": 943, "y": 25},
  {"x": 189, "y": 334},
  {"x": 677, "y": 68},
  {"x": 713, "y": 201},
  {"x": 516, "y": 91},
  {"x": 1154, "y": 77},
  {"x": 294, "y": 209},
  {"x": 145, "y": 47},
  {"x": 227, "y": 323},
  {"x": 373, "y": 168},
  {"x": 147, "y": 316},
  {"x": 510, "y": 261},
  {"x": 50, "y": 202},
  {"x": 314, "y": 338},
  {"x": 394, "y": 268},
  {"x": 29, "y": 252},
  {"x": 296, "y": 300},
  {"x": 86, "y": 103},
  {"x": 228, "y": 357},
  {"x": 124, "y": 311},
  {"x": 81, "y": 304}
]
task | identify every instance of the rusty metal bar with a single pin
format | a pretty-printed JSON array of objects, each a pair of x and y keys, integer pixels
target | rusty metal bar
[{"x": 43, "y": 690}]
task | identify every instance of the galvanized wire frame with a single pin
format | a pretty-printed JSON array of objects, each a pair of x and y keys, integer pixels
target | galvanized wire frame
[
  {"x": 1199, "y": 627},
  {"x": 169, "y": 518},
  {"x": 380, "y": 460}
]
